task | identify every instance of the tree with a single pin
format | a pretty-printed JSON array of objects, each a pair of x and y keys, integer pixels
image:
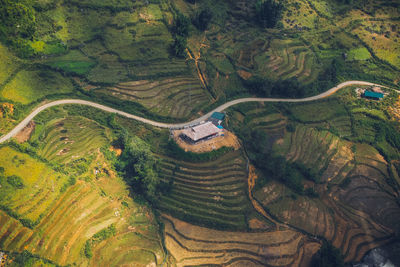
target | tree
[
  {"x": 17, "y": 20},
  {"x": 202, "y": 19},
  {"x": 179, "y": 46},
  {"x": 138, "y": 166},
  {"x": 327, "y": 256},
  {"x": 181, "y": 26},
  {"x": 268, "y": 13}
]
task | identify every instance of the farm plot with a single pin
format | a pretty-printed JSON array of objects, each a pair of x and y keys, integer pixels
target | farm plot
[
  {"x": 212, "y": 193},
  {"x": 73, "y": 216},
  {"x": 174, "y": 97},
  {"x": 197, "y": 246},
  {"x": 28, "y": 187},
  {"x": 65, "y": 140},
  {"x": 354, "y": 232},
  {"x": 286, "y": 59}
]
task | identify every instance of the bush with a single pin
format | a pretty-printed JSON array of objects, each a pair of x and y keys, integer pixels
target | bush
[
  {"x": 268, "y": 13},
  {"x": 327, "y": 256},
  {"x": 15, "y": 181},
  {"x": 202, "y": 19},
  {"x": 88, "y": 249},
  {"x": 179, "y": 46}
]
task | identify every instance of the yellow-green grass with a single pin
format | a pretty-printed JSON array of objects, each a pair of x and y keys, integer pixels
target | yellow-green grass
[
  {"x": 81, "y": 211},
  {"x": 359, "y": 54},
  {"x": 41, "y": 185},
  {"x": 381, "y": 37},
  {"x": 8, "y": 63},
  {"x": 64, "y": 140},
  {"x": 28, "y": 86}
]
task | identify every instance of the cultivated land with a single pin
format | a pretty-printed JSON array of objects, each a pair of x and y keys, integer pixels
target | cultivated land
[{"x": 63, "y": 200}]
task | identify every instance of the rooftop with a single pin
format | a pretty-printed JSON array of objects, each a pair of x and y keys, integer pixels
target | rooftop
[
  {"x": 373, "y": 94},
  {"x": 218, "y": 115},
  {"x": 201, "y": 131}
]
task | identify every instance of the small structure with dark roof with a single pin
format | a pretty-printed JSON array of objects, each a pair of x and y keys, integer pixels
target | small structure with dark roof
[
  {"x": 217, "y": 118},
  {"x": 373, "y": 95}
]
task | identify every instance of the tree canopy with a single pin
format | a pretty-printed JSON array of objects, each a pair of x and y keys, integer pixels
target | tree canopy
[
  {"x": 17, "y": 19},
  {"x": 138, "y": 166},
  {"x": 268, "y": 13}
]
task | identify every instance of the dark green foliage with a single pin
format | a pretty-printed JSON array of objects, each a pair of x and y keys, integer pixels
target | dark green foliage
[
  {"x": 310, "y": 192},
  {"x": 181, "y": 25},
  {"x": 138, "y": 166},
  {"x": 71, "y": 181},
  {"x": 104, "y": 234},
  {"x": 15, "y": 181},
  {"x": 327, "y": 256},
  {"x": 179, "y": 46},
  {"x": 88, "y": 249},
  {"x": 17, "y": 20},
  {"x": 202, "y": 19},
  {"x": 268, "y": 13},
  {"x": 281, "y": 88},
  {"x": 181, "y": 32}
]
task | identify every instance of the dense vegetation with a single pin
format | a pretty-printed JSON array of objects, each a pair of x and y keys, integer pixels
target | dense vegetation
[{"x": 138, "y": 165}]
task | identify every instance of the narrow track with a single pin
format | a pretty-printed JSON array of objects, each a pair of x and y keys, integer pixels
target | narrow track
[{"x": 25, "y": 121}]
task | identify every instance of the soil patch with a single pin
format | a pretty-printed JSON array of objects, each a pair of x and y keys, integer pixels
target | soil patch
[
  {"x": 25, "y": 133},
  {"x": 227, "y": 139}
]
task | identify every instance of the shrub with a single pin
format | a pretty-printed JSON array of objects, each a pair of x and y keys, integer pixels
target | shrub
[
  {"x": 202, "y": 19},
  {"x": 268, "y": 13},
  {"x": 15, "y": 181}
]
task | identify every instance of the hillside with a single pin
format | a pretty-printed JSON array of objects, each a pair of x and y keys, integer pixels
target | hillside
[{"x": 312, "y": 183}]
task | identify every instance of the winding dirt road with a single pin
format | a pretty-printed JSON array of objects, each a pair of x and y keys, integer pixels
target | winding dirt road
[{"x": 39, "y": 109}]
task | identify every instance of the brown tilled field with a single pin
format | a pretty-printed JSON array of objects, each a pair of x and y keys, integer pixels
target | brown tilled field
[{"x": 194, "y": 245}]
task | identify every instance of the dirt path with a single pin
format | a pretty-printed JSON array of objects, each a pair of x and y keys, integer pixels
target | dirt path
[
  {"x": 25, "y": 121},
  {"x": 251, "y": 182}
]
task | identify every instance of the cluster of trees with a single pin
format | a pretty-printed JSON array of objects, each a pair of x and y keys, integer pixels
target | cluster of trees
[
  {"x": 327, "y": 256},
  {"x": 202, "y": 19},
  {"x": 281, "y": 88},
  {"x": 17, "y": 25},
  {"x": 268, "y": 13},
  {"x": 138, "y": 165},
  {"x": 180, "y": 31}
]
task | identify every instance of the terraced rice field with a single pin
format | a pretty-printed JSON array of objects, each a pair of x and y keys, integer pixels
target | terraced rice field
[
  {"x": 353, "y": 231},
  {"x": 177, "y": 97},
  {"x": 311, "y": 147},
  {"x": 71, "y": 138},
  {"x": 41, "y": 185},
  {"x": 212, "y": 193},
  {"x": 78, "y": 214},
  {"x": 287, "y": 59},
  {"x": 198, "y": 246}
]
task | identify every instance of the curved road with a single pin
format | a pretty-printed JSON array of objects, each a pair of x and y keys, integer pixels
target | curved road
[{"x": 24, "y": 122}]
